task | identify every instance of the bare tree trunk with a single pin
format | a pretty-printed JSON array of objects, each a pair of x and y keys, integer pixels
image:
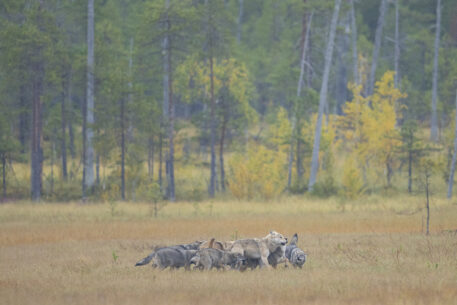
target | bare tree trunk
[
  {"x": 89, "y": 151},
  {"x": 3, "y": 177},
  {"x": 71, "y": 134},
  {"x": 305, "y": 44},
  {"x": 454, "y": 156},
  {"x": 291, "y": 162},
  {"x": 240, "y": 21},
  {"x": 212, "y": 185},
  {"x": 122, "y": 149},
  {"x": 97, "y": 169},
  {"x": 303, "y": 55},
  {"x": 221, "y": 153},
  {"x": 130, "y": 94},
  {"x": 377, "y": 47},
  {"x": 53, "y": 153},
  {"x": 434, "y": 118},
  {"x": 170, "y": 109},
  {"x": 355, "y": 57},
  {"x": 36, "y": 151},
  {"x": 341, "y": 73},
  {"x": 410, "y": 172},
  {"x": 151, "y": 158},
  {"x": 171, "y": 129},
  {"x": 24, "y": 118},
  {"x": 63, "y": 124},
  {"x": 427, "y": 194},
  {"x": 323, "y": 97},
  {"x": 397, "y": 45},
  {"x": 160, "y": 161}
]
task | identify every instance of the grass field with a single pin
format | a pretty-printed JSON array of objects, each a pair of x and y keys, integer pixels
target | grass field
[{"x": 373, "y": 253}]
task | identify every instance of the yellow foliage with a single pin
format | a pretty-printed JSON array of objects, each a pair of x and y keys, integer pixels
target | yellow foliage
[
  {"x": 280, "y": 131},
  {"x": 227, "y": 73},
  {"x": 368, "y": 125},
  {"x": 352, "y": 179},
  {"x": 258, "y": 174}
]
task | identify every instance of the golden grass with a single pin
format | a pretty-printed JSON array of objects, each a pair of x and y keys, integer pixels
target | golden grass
[{"x": 374, "y": 253}]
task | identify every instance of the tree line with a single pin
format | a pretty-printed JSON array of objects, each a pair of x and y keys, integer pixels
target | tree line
[{"x": 121, "y": 96}]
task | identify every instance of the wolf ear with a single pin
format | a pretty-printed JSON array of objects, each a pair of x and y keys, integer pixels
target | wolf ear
[{"x": 294, "y": 240}]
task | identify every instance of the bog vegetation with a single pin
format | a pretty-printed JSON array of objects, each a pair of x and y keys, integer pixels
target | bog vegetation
[
  {"x": 188, "y": 100},
  {"x": 85, "y": 254}
]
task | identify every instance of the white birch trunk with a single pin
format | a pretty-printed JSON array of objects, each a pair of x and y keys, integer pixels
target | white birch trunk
[
  {"x": 303, "y": 55},
  {"x": 323, "y": 97},
  {"x": 130, "y": 95},
  {"x": 454, "y": 156},
  {"x": 377, "y": 47},
  {"x": 355, "y": 56},
  {"x": 397, "y": 46},
  {"x": 89, "y": 153},
  {"x": 240, "y": 21},
  {"x": 434, "y": 118}
]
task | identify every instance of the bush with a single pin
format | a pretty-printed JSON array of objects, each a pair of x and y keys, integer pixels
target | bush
[
  {"x": 258, "y": 174},
  {"x": 352, "y": 185},
  {"x": 325, "y": 188}
]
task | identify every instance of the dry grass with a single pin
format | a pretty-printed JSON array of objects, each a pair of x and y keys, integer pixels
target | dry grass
[{"x": 374, "y": 253}]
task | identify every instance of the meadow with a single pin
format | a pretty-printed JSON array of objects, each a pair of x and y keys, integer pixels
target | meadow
[{"x": 375, "y": 252}]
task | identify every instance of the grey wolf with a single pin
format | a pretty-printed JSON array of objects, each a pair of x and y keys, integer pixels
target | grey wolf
[
  {"x": 208, "y": 258},
  {"x": 259, "y": 249},
  {"x": 294, "y": 254},
  {"x": 173, "y": 258},
  {"x": 192, "y": 246}
]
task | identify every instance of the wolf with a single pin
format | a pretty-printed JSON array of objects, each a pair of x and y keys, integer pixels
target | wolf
[
  {"x": 294, "y": 254},
  {"x": 213, "y": 243},
  {"x": 259, "y": 249},
  {"x": 208, "y": 258},
  {"x": 275, "y": 258},
  {"x": 192, "y": 246},
  {"x": 173, "y": 258}
]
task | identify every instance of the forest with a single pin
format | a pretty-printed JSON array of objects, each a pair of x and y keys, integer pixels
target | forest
[{"x": 153, "y": 100}]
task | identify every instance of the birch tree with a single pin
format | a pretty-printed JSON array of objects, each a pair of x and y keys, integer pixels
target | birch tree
[
  {"x": 240, "y": 21},
  {"x": 377, "y": 47},
  {"x": 397, "y": 45},
  {"x": 434, "y": 118},
  {"x": 454, "y": 156},
  {"x": 88, "y": 179},
  {"x": 323, "y": 96},
  {"x": 355, "y": 56}
]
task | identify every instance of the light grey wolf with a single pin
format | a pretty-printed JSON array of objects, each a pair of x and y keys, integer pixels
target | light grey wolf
[
  {"x": 259, "y": 249},
  {"x": 209, "y": 257}
]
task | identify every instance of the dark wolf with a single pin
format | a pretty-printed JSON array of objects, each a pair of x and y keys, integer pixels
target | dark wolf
[
  {"x": 173, "y": 258},
  {"x": 294, "y": 254},
  {"x": 192, "y": 246}
]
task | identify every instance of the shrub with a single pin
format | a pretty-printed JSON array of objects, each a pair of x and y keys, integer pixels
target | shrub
[
  {"x": 352, "y": 184},
  {"x": 258, "y": 174}
]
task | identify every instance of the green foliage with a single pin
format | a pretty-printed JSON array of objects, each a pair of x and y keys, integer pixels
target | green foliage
[{"x": 255, "y": 79}]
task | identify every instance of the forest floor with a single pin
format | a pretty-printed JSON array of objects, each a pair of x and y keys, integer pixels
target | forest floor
[{"x": 375, "y": 252}]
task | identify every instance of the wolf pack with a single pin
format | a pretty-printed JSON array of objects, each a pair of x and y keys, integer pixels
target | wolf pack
[{"x": 241, "y": 254}]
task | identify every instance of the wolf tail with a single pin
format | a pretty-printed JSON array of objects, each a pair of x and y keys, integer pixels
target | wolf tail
[
  {"x": 145, "y": 260},
  {"x": 211, "y": 243}
]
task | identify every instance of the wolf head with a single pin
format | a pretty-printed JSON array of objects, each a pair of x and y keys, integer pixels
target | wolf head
[
  {"x": 276, "y": 240},
  {"x": 298, "y": 257}
]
